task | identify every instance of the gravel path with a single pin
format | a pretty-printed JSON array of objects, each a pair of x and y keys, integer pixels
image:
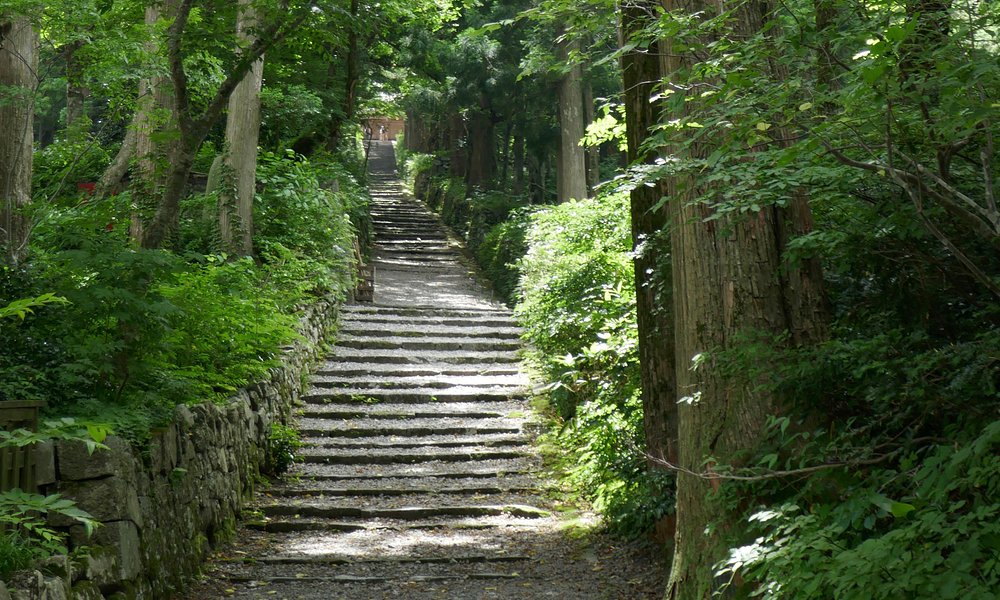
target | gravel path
[{"x": 419, "y": 479}]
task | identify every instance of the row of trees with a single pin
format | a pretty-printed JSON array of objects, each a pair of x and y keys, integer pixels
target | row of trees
[{"x": 158, "y": 79}]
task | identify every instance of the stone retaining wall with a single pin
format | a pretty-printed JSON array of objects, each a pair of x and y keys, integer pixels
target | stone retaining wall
[{"x": 164, "y": 507}]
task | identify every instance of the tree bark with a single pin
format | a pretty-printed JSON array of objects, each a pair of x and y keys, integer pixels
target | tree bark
[
  {"x": 153, "y": 117},
  {"x": 482, "y": 151},
  {"x": 640, "y": 74},
  {"x": 18, "y": 82},
  {"x": 571, "y": 167},
  {"x": 593, "y": 153},
  {"x": 518, "y": 165},
  {"x": 350, "y": 83},
  {"x": 76, "y": 92},
  {"x": 240, "y": 160},
  {"x": 728, "y": 283},
  {"x": 457, "y": 146},
  {"x": 192, "y": 125}
]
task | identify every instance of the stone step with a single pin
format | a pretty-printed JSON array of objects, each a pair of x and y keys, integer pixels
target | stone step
[
  {"x": 401, "y": 490},
  {"x": 436, "y": 470},
  {"x": 380, "y": 443},
  {"x": 406, "y": 427},
  {"x": 408, "y": 357},
  {"x": 513, "y": 383},
  {"x": 360, "y": 409},
  {"x": 409, "y": 456},
  {"x": 318, "y": 395},
  {"x": 378, "y": 309},
  {"x": 395, "y": 320},
  {"x": 320, "y": 524},
  {"x": 356, "y": 328},
  {"x": 407, "y": 513},
  {"x": 335, "y": 369},
  {"x": 334, "y": 559},
  {"x": 372, "y": 342}
]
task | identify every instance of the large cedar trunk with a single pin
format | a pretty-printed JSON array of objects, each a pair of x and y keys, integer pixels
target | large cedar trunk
[
  {"x": 242, "y": 131},
  {"x": 458, "y": 146},
  {"x": 571, "y": 166},
  {"x": 18, "y": 68},
  {"x": 640, "y": 72},
  {"x": 482, "y": 151},
  {"x": 729, "y": 280}
]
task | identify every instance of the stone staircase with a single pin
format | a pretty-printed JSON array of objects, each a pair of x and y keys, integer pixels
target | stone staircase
[{"x": 418, "y": 479}]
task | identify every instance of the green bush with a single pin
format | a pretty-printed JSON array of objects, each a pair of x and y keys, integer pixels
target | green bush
[
  {"x": 498, "y": 254},
  {"x": 577, "y": 310}
]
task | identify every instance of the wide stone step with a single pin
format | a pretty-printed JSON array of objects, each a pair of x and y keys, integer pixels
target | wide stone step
[
  {"x": 380, "y": 309},
  {"x": 358, "y": 328},
  {"x": 439, "y": 470},
  {"x": 366, "y": 408},
  {"x": 406, "y": 443},
  {"x": 411, "y": 321},
  {"x": 318, "y": 395},
  {"x": 401, "y": 490},
  {"x": 426, "y": 343},
  {"x": 409, "y": 513},
  {"x": 335, "y": 369},
  {"x": 393, "y": 456},
  {"x": 508, "y": 382},
  {"x": 408, "y": 357},
  {"x": 406, "y": 427}
]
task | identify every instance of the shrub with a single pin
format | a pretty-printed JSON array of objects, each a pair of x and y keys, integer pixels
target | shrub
[{"x": 577, "y": 309}]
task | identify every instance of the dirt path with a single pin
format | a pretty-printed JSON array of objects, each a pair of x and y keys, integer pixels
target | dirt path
[{"x": 419, "y": 479}]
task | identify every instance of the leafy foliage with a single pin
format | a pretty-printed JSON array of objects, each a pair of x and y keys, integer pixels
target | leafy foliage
[{"x": 283, "y": 444}]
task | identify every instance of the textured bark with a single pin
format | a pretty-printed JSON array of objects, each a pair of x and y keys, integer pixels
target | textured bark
[
  {"x": 76, "y": 92},
  {"x": 193, "y": 125},
  {"x": 350, "y": 83},
  {"x": 113, "y": 175},
  {"x": 153, "y": 117},
  {"x": 571, "y": 166},
  {"x": 457, "y": 146},
  {"x": 482, "y": 149},
  {"x": 593, "y": 153},
  {"x": 240, "y": 160},
  {"x": 518, "y": 165},
  {"x": 728, "y": 281},
  {"x": 18, "y": 81},
  {"x": 640, "y": 72}
]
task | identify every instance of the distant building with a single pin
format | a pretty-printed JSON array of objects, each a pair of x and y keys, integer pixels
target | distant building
[{"x": 383, "y": 128}]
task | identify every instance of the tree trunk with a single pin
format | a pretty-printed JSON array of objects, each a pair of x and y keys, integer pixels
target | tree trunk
[
  {"x": 153, "y": 118},
  {"x": 640, "y": 72},
  {"x": 350, "y": 83},
  {"x": 458, "y": 147},
  {"x": 571, "y": 174},
  {"x": 18, "y": 81},
  {"x": 240, "y": 160},
  {"x": 482, "y": 152},
  {"x": 518, "y": 165},
  {"x": 76, "y": 92},
  {"x": 729, "y": 281},
  {"x": 593, "y": 153}
]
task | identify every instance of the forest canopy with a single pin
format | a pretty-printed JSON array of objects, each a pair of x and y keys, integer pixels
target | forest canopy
[{"x": 753, "y": 245}]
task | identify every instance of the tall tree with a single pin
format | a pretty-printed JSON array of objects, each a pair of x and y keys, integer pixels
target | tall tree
[
  {"x": 240, "y": 160},
  {"x": 731, "y": 283},
  {"x": 194, "y": 123},
  {"x": 571, "y": 170},
  {"x": 18, "y": 81},
  {"x": 640, "y": 77}
]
